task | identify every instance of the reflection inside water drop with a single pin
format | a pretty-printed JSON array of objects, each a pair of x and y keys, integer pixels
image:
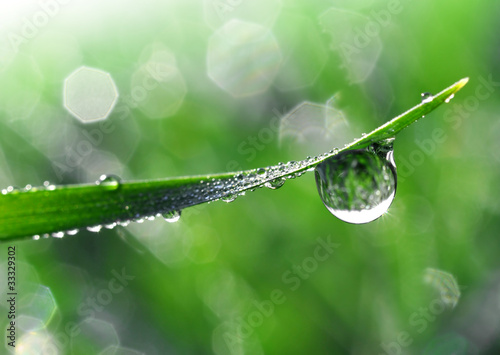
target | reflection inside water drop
[
  {"x": 426, "y": 97},
  {"x": 229, "y": 198},
  {"x": 358, "y": 186},
  {"x": 275, "y": 184},
  {"x": 110, "y": 181},
  {"x": 172, "y": 216}
]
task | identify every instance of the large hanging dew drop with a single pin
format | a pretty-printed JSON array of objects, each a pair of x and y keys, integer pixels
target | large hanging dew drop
[{"x": 358, "y": 186}]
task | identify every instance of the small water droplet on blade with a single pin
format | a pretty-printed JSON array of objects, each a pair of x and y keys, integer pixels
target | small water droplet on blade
[
  {"x": 358, "y": 186},
  {"x": 426, "y": 97},
  {"x": 275, "y": 184},
  {"x": 12, "y": 189},
  {"x": 448, "y": 99},
  {"x": 229, "y": 198},
  {"x": 172, "y": 216},
  {"x": 110, "y": 181},
  {"x": 94, "y": 229}
]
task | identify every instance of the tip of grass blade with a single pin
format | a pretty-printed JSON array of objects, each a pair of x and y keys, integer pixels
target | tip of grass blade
[
  {"x": 461, "y": 83},
  {"x": 394, "y": 126}
]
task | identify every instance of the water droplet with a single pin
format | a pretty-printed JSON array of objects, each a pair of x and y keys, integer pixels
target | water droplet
[
  {"x": 110, "y": 225},
  {"x": 172, "y": 216},
  {"x": 72, "y": 232},
  {"x": 426, "y": 97},
  {"x": 229, "y": 198},
  {"x": 358, "y": 186},
  {"x": 58, "y": 235},
  {"x": 36, "y": 237},
  {"x": 111, "y": 181},
  {"x": 261, "y": 171},
  {"x": 11, "y": 189},
  {"x": 28, "y": 187},
  {"x": 448, "y": 99},
  {"x": 275, "y": 184},
  {"x": 94, "y": 229},
  {"x": 46, "y": 183}
]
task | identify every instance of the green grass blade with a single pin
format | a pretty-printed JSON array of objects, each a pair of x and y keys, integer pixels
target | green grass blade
[{"x": 48, "y": 210}]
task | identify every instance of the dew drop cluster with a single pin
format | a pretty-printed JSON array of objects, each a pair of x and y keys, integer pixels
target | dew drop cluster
[{"x": 375, "y": 186}]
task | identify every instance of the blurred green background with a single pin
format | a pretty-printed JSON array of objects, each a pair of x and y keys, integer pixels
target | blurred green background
[{"x": 171, "y": 88}]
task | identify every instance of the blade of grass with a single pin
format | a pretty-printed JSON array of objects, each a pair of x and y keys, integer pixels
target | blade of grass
[{"x": 48, "y": 210}]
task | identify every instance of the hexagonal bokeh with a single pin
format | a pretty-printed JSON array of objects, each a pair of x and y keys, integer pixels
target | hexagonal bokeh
[
  {"x": 298, "y": 34},
  {"x": 243, "y": 58},
  {"x": 158, "y": 87},
  {"x": 37, "y": 342},
  {"x": 95, "y": 336},
  {"x": 445, "y": 284},
  {"x": 27, "y": 280},
  {"x": 29, "y": 324},
  {"x": 40, "y": 305},
  {"x": 89, "y": 94},
  {"x": 218, "y": 12},
  {"x": 313, "y": 128},
  {"x": 356, "y": 40}
]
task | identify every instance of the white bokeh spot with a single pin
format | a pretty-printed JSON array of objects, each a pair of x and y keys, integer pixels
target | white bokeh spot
[
  {"x": 90, "y": 94},
  {"x": 243, "y": 58}
]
